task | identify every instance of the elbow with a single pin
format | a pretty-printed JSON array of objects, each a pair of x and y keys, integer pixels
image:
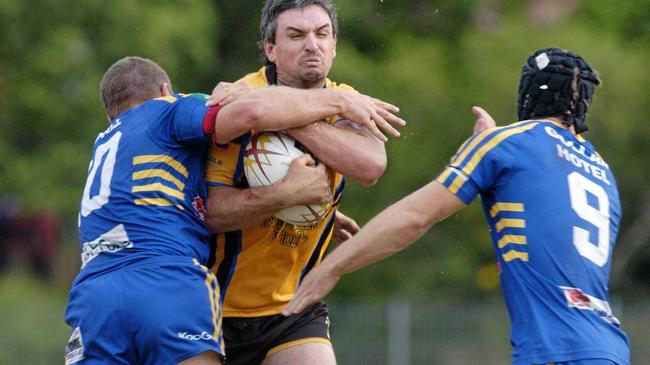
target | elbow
[
  {"x": 419, "y": 225},
  {"x": 242, "y": 116},
  {"x": 254, "y": 114},
  {"x": 416, "y": 225},
  {"x": 371, "y": 171},
  {"x": 222, "y": 138},
  {"x": 218, "y": 224},
  {"x": 216, "y": 221}
]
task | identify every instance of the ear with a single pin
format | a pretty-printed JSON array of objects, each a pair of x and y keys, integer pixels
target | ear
[
  {"x": 166, "y": 89},
  {"x": 269, "y": 50},
  {"x": 334, "y": 53}
]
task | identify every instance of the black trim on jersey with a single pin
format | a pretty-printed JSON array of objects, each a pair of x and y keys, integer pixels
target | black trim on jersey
[
  {"x": 231, "y": 250},
  {"x": 317, "y": 251},
  {"x": 239, "y": 178},
  {"x": 213, "y": 250},
  {"x": 338, "y": 194},
  {"x": 271, "y": 74}
]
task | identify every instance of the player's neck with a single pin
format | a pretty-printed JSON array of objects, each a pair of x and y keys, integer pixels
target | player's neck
[
  {"x": 560, "y": 123},
  {"x": 283, "y": 80}
]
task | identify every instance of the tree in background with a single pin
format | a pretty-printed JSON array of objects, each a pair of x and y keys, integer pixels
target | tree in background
[{"x": 52, "y": 57}]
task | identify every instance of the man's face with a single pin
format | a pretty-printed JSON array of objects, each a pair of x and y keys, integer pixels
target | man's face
[{"x": 304, "y": 47}]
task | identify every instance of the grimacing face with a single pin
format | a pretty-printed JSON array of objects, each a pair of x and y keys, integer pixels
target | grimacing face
[{"x": 304, "y": 47}]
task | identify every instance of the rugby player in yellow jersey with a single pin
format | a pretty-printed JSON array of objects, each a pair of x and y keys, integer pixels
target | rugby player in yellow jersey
[{"x": 260, "y": 260}]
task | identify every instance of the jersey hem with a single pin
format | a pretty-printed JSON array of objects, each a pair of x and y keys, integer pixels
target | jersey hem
[
  {"x": 105, "y": 267},
  {"x": 569, "y": 356},
  {"x": 254, "y": 313},
  {"x": 217, "y": 183},
  {"x": 191, "y": 354}
]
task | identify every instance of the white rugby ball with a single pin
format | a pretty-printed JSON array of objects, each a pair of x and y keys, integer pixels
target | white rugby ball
[{"x": 266, "y": 160}]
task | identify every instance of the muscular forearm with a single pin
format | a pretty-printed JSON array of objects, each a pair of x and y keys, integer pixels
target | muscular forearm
[
  {"x": 352, "y": 152},
  {"x": 393, "y": 229},
  {"x": 276, "y": 108},
  {"x": 230, "y": 209}
]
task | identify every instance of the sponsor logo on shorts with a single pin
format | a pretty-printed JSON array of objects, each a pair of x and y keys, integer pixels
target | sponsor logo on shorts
[
  {"x": 74, "y": 350},
  {"x": 204, "y": 336}
]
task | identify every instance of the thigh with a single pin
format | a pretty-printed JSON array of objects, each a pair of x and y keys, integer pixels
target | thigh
[
  {"x": 174, "y": 312},
  {"x": 205, "y": 358},
  {"x": 247, "y": 339},
  {"x": 98, "y": 332},
  {"x": 312, "y": 353},
  {"x": 250, "y": 340},
  {"x": 305, "y": 340}
]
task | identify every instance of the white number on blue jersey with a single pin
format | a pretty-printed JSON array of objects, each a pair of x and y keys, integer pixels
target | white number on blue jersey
[
  {"x": 109, "y": 148},
  {"x": 579, "y": 186}
]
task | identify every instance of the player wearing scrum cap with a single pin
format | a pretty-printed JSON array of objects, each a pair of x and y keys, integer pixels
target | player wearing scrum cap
[{"x": 553, "y": 210}]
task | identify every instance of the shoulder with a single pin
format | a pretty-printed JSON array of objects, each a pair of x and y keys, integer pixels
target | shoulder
[
  {"x": 511, "y": 133},
  {"x": 175, "y": 103},
  {"x": 177, "y": 109},
  {"x": 256, "y": 79},
  {"x": 345, "y": 87},
  {"x": 491, "y": 141},
  {"x": 176, "y": 98},
  {"x": 159, "y": 105}
]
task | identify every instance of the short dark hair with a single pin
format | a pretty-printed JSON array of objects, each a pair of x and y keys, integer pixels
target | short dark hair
[
  {"x": 129, "y": 82},
  {"x": 273, "y": 8},
  {"x": 557, "y": 83}
]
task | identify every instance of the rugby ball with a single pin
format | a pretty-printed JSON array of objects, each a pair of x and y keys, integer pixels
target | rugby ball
[{"x": 266, "y": 160}]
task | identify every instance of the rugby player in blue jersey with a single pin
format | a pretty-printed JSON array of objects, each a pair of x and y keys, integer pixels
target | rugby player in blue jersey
[
  {"x": 553, "y": 210},
  {"x": 143, "y": 294}
]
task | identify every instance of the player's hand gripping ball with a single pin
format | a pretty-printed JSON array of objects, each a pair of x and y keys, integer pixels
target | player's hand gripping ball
[{"x": 266, "y": 160}]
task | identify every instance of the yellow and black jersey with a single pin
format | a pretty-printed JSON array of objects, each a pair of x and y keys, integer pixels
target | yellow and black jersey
[{"x": 259, "y": 267}]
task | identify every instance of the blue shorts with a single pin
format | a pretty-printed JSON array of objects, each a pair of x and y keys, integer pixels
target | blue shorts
[{"x": 161, "y": 310}]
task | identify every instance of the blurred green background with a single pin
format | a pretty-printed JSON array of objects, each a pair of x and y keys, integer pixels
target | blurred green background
[{"x": 434, "y": 59}]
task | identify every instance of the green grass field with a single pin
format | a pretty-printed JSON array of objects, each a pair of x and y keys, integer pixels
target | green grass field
[{"x": 32, "y": 330}]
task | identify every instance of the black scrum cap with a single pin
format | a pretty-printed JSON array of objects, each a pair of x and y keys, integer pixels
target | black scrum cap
[{"x": 557, "y": 83}]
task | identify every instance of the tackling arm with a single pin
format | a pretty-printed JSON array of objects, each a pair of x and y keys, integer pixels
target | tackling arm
[
  {"x": 346, "y": 147},
  {"x": 275, "y": 108},
  {"x": 230, "y": 208},
  {"x": 395, "y": 228},
  {"x": 391, "y": 231},
  {"x": 279, "y": 108}
]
